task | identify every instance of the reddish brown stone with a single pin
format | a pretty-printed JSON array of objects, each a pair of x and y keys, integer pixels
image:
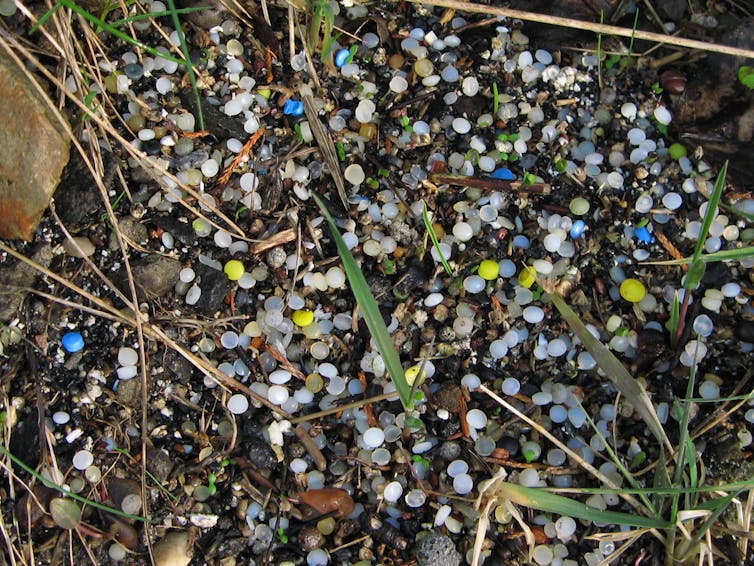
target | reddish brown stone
[{"x": 33, "y": 153}]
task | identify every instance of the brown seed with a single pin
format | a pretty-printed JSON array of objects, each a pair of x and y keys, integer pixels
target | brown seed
[
  {"x": 329, "y": 500},
  {"x": 673, "y": 81}
]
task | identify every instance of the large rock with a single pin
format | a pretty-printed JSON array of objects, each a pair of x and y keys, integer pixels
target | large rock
[{"x": 33, "y": 152}]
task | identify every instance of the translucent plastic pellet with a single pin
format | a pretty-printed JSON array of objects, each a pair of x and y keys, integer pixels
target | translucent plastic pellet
[
  {"x": 415, "y": 498},
  {"x": 238, "y": 404},
  {"x": 463, "y": 484},
  {"x": 474, "y": 284},
  {"x": 533, "y": 314},
  {"x": 476, "y": 419},
  {"x": 373, "y": 437},
  {"x": 565, "y": 527},
  {"x": 511, "y": 386},
  {"x": 82, "y": 459},
  {"x": 556, "y": 457},
  {"x": 542, "y": 554},
  {"x": 703, "y": 325},
  {"x": 558, "y": 414},
  {"x": 498, "y": 349},
  {"x": 528, "y": 477},
  {"x": 709, "y": 390},
  {"x": 127, "y": 356},
  {"x": 392, "y": 492},
  {"x": 229, "y": 340},
  {"x": 457, "y": 467}
]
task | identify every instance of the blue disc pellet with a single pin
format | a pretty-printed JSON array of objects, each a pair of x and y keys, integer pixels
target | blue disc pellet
[
  {"x": 341, "y": 57},
  {"x": 293, "y": 107},
  {"x": 503, "y": 173},
  {"x": 577, "y": 229},
  {"x": 72, "y": 342}
]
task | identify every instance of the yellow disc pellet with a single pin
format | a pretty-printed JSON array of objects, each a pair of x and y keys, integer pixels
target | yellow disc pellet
[
  {"x": 234, "y": 269},
  {"x": 489, "y": 270},
  {"x": 633, "y": 290},
  {"x": 527, "y": 277},
  {"x": 413, "y": 373},
  {"x": 302, "y": 318}
]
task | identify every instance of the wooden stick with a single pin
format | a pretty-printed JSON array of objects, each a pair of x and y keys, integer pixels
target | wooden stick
[{"x": 589, "y": 26}]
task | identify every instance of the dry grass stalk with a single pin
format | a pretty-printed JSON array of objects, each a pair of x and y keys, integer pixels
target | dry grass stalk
[{"x": 589, "y": 26}]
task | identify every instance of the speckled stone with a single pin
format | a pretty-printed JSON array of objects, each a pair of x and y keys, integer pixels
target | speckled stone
[{"x": 437, "y": 550}]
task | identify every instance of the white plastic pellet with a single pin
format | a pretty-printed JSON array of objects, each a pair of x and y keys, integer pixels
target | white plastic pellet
[
  {"x": 511, "y": 386},
  {"x": 238, "y": 404},
  {"x": 127, "y": 356},
  {"x": 374, "y": 437},
  {"x": 457, "y": 467},
  {"x": 187, "y": 275},
  {"x": 127, "y": 372},
  {"x": 463, "y": 484},
  {"x": 392, "y": 492},
  {"x": 277, "y": 394},
  {"x": 82, "y": 459},
  {"x": 533, "y": 314},
  {"x": 476, "y": 419}
]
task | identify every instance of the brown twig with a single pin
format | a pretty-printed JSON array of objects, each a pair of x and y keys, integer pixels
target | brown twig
[
  {"x": 225, "y": 177},
  {"x": 489, "y": 184}
]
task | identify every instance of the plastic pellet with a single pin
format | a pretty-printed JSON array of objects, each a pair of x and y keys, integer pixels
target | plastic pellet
[
  {"x": 72, "y": 342},
  {"x": 392, "y": 491},
  {"x": 511, "y": 386},
  {"x": 489, "y": 269},
  {"x": 234, "y": 269},
  {"x": 373, "y": 437},
  {"x": 632, "y": 290},
  {"x": 82, "y": 459},
  {"x": 463, "y": 484},
  {"x": 238, "y": 404},
  {"x": 476, "y": 419},
  {"x": 302, "y": 318}
]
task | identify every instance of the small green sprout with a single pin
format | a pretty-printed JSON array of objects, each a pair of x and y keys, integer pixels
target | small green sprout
[
  {"x": 211, "y": 487},
  {"x": 282, "y": 536}
]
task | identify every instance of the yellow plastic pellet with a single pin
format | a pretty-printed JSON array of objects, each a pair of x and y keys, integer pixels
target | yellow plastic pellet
[
  {"x": 489, "y": 270},
  {"x": 633, "y": 290},
  {"x": 527, "y": 277},
  {"x": 413, "y": 373},
  {"x": 302, "y": 318},
  {"x": 234, "y": 269}
]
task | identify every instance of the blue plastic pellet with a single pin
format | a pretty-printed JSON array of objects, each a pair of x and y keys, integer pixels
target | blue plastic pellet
[
  {"x": 577, "y": 229},
  {"x": 643, "y": 235},
  {"x": 504, "y": 173},
  {"x": 72, "y": 342},
  {"x": 341, "y": 57},
  {"x": 293, "y": 107}
]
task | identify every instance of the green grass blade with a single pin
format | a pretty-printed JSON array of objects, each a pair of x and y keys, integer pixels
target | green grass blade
[
  {"x": 52, "y": 485},
  {"x": 724, "y": 255},
  {"x": 370, "y": 311},
  {"x": 698, "y": 266},
  {"x": 150, "y": 15},
  {"x": 44, "y": 17},
  {"x": 537, "y": 498},
  {"x": 187, "y": 60},
  {"x": 614, "y": 370},
  {"x": 435, "y": 241},
  {"x": 92, "y": 19},
  {"x": 675, "y": 317}
]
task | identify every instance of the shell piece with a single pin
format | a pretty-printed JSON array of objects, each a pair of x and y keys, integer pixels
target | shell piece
[{"x": 329, "y": 500}]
